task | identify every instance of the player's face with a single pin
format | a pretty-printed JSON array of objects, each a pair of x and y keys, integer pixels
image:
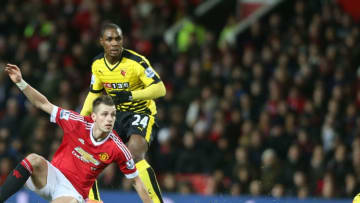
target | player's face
[
  {"x": 112, "y": 42},
  {"x": 104, "y": 117}
]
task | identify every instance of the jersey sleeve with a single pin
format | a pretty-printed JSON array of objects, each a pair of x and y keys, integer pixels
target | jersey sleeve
[
  {"x": 147, "y": 74},
  {"x": 87, "y": 107},
  {"x": 125, "y": 161},
  {"x": 67, "y": 120},
  {"x": 95, "y": 84},
  {"x": 95, "y": 91}
]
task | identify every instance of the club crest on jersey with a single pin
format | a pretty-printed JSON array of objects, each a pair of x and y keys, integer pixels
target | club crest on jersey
[
  {"x": 149, "y": 72},
  {"x": 64, "y": 114},
  {"x": 130, "y": 164},
  {"x": 123, "y": 73},
  {"x": 104, "y": 156}
]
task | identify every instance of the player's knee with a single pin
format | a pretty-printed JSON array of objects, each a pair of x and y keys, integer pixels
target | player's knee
[
  {"x": 35, "y": 160},
  {"x": 138, "y": 147},
  {"x": 137, "y": 154},
  {"x": 73, "y": 201}
]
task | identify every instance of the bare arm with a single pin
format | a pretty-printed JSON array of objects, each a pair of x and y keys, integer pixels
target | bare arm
[
  {"x": 140, "y": 189},
  {"x": 35, "y": 97}
]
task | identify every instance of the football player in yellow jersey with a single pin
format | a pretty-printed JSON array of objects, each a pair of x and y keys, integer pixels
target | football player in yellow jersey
[{"x": 133, "y": 84}]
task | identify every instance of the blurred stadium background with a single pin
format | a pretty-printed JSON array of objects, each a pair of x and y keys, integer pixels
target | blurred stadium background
[{"x": 263, "y": 96}]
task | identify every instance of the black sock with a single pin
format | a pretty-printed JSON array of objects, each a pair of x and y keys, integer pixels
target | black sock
[{"x": 15, "y": 180}]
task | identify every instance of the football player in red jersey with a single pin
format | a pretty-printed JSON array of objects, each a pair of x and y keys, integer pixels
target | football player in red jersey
[{"x": 89, "y": 144}]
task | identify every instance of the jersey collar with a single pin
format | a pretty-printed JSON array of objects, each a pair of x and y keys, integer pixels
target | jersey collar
[
  {"x": 96, "y": 143},
  {"x": 112, "y": 67}
]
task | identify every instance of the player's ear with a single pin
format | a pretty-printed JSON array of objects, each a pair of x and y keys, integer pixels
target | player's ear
[
  {"x": 93, "y": 116},
  {"x": 101, "y": 41}
]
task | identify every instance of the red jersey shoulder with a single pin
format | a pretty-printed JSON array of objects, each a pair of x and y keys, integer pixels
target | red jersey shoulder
[
  {"x": 69, "y": 115},
  {"x": 120, "y": 146},
  {"x": 70, "y": 120},
  {"x": 88, "y": 119}
]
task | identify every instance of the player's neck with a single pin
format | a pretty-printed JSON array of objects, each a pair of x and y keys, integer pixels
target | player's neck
[
  {"x": 99, "y": 135},
  {"x": 112, "y": 59}
]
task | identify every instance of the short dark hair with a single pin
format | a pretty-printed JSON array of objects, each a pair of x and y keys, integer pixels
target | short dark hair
[
  {"x": 103, "y": 99},
  {"x": 108, "y": 25}
]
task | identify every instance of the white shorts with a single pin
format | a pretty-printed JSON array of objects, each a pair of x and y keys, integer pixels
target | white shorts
[{"x": 57, "y": 186}]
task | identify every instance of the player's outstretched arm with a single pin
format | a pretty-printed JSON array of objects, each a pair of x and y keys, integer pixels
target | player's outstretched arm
[
  {"x": 87, "y": 108},
  {"x": 35, "y": 97},
  {"x": 153, "y": 91},
  {"x": 140, "y": 189}
]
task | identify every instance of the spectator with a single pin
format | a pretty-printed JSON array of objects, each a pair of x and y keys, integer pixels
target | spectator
[
  {"x": 317, "y": 167},
  {"x": 278, "y": 191},
  {"x": 351, "y": 185},
  {"x": 339, "y": 164},
  {"x": 255, "y": 188},
  {"x": 293, "y": 163},
  {"x": 190, "y": 160},
  {"x": 271, "y": 170},
  {"x": 169, "y": 183},
  {"x": 328, "y": 189},
  {"x": 5, "y": 168},
  {"x": 303, "y": 192}
]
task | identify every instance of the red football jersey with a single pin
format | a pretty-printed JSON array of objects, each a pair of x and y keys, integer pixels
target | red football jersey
[{"x": 80, "y": 158}]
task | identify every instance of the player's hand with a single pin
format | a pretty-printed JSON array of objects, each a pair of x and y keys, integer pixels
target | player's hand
[
  {"x": 120, "y": 96},
  {"x": 14, "y": 72}
]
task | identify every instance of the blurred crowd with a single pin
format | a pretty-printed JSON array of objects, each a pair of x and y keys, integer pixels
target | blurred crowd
[{"x": 274, "y": 113}]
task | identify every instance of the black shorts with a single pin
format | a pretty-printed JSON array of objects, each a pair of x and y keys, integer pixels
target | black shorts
[{"x": 128, "y": 123}]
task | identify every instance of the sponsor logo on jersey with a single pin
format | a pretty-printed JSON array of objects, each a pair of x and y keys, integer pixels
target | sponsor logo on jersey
[
  {"x": 104, "y": 156},
  {"x": 85, "y": 156},
  {"x": 107, "y": 85},
  {"x": 123, "y": 85},
  {"x": 149, "y": 72},
  {"x": 130, "y": 164},
  {"x": 64, "y": 114}
]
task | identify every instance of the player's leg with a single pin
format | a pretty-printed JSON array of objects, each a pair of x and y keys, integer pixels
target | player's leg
[
  {"x": 33, "y": 165},
  {"x": 136, "y": 131},
  {"x": 138, "y": 148},
  {"x": 138, "y": 145},
  {"x": 94, "y": 193},
  {"x": 140, "y": 137}
]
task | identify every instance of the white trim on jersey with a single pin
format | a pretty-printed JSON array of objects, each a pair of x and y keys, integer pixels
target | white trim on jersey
[
  {"x": 53, "y": 114},
  {"x": 27, "y": 166},
  {"x": 132, "y": 175},
  {"x": 76, "y": 117},
  {"x": 94, "y": 141},
  {"x": 121, "y": 146},
  {"x": 72, "y": 116}
]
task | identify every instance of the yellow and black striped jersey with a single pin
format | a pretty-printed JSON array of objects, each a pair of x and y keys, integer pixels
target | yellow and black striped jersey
[{"x": 132, "y": 72}]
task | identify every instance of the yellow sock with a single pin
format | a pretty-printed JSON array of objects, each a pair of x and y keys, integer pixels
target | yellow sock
[
  {"x": 148, "y": 177},
  {"x": 94, "y": 192}
]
